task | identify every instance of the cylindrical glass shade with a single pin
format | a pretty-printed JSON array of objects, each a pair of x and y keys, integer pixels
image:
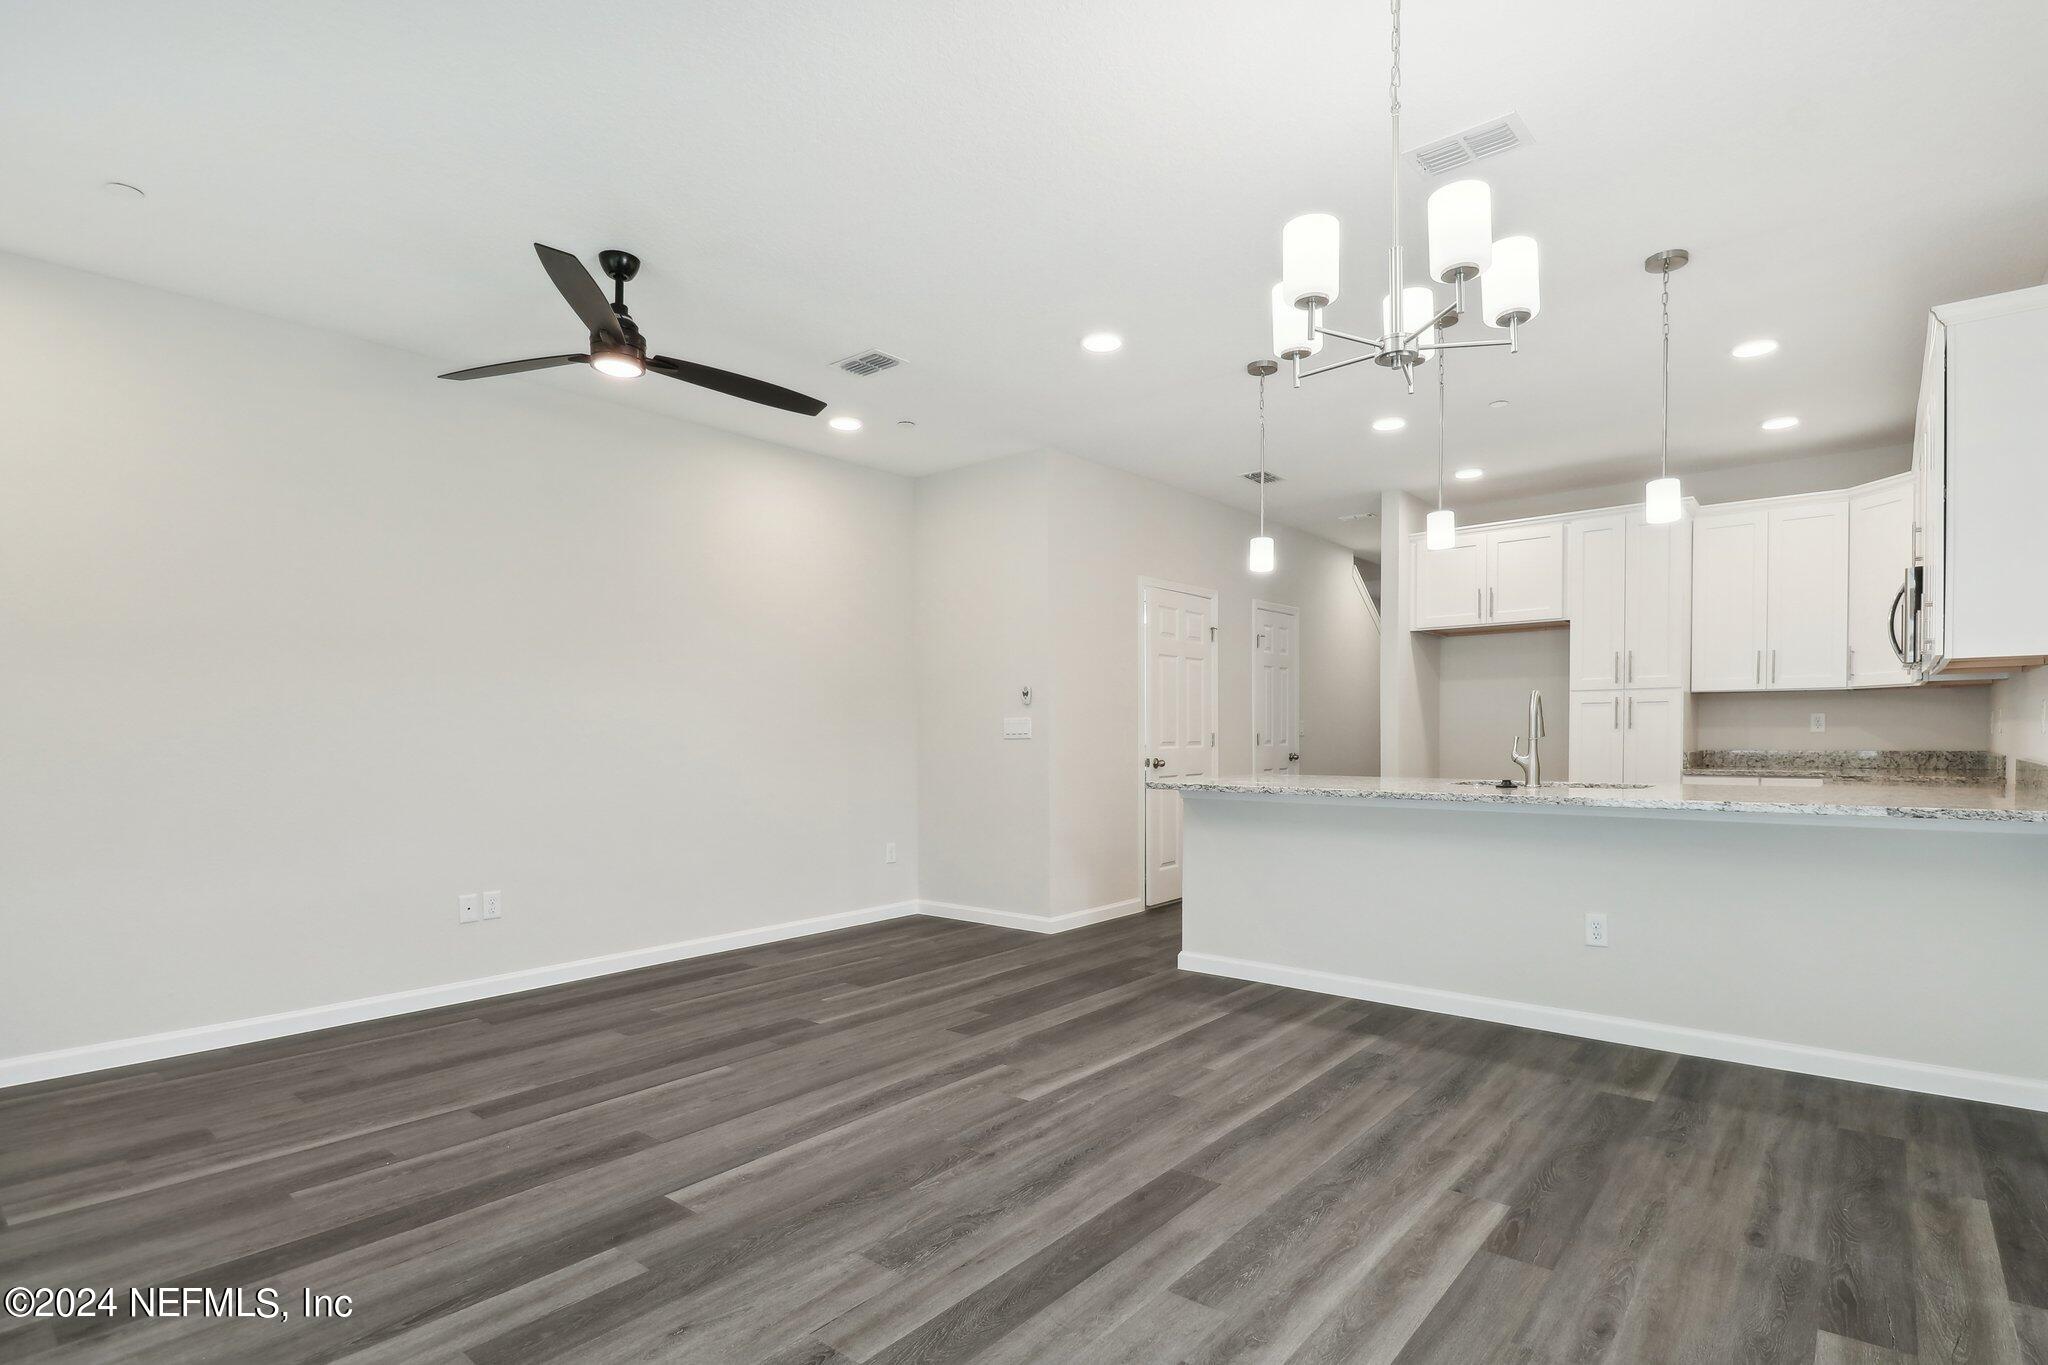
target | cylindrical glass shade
[
  {"x": 1418, "y": 306},
  {"x": 1508, "y": 287},
  {"x": 1308, "y": 257},
  {"x": 1441, "y": 529},
  {"x": 1291, "y": 331},
  {"x": 1661, "y": 501},
  {"x": 1460, "y": 230},
  {"x": 1261, "y": 560}
]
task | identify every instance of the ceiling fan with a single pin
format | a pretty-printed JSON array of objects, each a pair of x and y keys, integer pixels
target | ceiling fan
[{"x": 616, "y": 347}]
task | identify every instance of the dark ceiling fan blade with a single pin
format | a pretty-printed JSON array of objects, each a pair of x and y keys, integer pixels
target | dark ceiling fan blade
[
  {"x": 738, "y": 385},
  {"x": 546, "y": 362},
  {"x": 580, "y": 288}
]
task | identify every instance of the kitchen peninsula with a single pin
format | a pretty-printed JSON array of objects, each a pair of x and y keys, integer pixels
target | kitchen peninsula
[{"x": 1889, "y": 933}]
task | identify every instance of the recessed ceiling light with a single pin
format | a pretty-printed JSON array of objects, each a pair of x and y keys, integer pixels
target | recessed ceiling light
[
  {"x": 1750, "y": 350},
  {"x": 1102, "y": 343},
  {"x": 121, "y": 189},
  {"x": 1389, "y": 423},
  {"x": 1469, "y": 474},
  {"x": 1498, "y": 403},
  {"x": 844, "y": 424},
  {"x": 1780, "y": 423}
]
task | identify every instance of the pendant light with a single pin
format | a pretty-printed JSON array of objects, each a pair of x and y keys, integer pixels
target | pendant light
[
  {"x": 1663, "y": 503},
  {"x": 1441, "y": 526},
  {"x": 1260, "y": 559}
]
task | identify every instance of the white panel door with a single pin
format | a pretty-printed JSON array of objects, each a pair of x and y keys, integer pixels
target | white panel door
[
  {"x": 1525, "y": 573},
  {"x": 1806, "y": 642},
  {"x": 1880, "y": 553},
  {"x": 1595, "y": 559},
  {"x": 1596, "y": 737},
  {"x": 1728, "y": 592},
  {"x": 1655, "y": 640},
  {"x": 1178, "y": 719},
  {"x": 1276, "y": 688},
  {"x": 1653, "y": 729},
  {"x": 1449, "y": 586}
]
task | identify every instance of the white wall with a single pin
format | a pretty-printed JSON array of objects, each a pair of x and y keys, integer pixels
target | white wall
[
  {"x": 2019, "y": 716},
  {"x": 1109, "y": 529},
  {"x": 983, "y": 634},
  {"x": 1870, "y": 718},
  {"x": 1484, "y": 683},
  {"x": 301, "y": 642},
  {"x": 1714, "y": 484},
  {"x": 1409, "y": 663}
]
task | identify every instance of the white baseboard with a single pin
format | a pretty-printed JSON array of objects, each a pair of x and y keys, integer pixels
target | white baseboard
[
  {"x": 1037, "y": 924},
  {"x": 155, "y": 1047},
  {"x": 2020, "y": 1092}
]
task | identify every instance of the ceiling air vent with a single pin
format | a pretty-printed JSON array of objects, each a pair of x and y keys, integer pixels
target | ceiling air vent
[
  {"x": 868, "y": 362},
  {"x": 1257, "y": 477},
  {"x": 1477, "y": 143}
]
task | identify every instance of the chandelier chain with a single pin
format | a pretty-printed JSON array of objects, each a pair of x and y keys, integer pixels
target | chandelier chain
[{"x": 1394, "y": 74}]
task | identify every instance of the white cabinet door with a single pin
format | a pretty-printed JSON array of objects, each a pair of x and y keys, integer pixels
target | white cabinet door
[
  {"x": 1880, "y": 553},
  {"x": 1595, "y": 560},
  {"x": 1656, "y": 636},
  {"x": 1653, "y": 731},
  {"x": 1525, "y": 573},
  {"x": 1728, "y": 591},
  {"x": 1449, "y": 585},
  {"x": 1596, "y": 738},
  {"x": 1806, "y": 641}
]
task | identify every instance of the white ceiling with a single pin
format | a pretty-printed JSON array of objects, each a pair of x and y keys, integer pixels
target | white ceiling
[{"x": 974, "y": 186}]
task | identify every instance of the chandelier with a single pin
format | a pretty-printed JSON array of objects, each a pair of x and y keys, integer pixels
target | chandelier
[{"x": 1461, "y": 249}]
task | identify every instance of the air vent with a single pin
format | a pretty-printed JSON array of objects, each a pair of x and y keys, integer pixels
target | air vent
[
  {"x": 1256, "y": 477},
  {"x": 1477, "y": 143},
  {"x": 868, "y": 362}
]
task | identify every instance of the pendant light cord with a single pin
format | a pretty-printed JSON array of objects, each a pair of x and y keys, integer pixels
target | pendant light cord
[
  {"x": 1262, "y": 456},
  {"x": 1439, "y": 424},
  {"x": 1664, "y": 458},
  {"x": 1396, "y": 322}
]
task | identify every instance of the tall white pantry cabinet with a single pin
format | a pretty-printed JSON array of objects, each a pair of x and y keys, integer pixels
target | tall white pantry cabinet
[{"x": 1628, "y": 596}]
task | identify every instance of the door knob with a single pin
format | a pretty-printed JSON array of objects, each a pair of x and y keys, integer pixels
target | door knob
[
  {"x": 1155, "y": 762},
  {"x": 1294, "y": 758}
]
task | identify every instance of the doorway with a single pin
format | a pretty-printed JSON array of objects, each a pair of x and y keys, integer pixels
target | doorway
[
  {"x": 1276, "y": 687},
  {"x": 1177, "y": 625}
]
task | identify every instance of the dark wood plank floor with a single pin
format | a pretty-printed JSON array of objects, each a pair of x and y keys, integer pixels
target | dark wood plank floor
[{"x": 930, "y": 1141}]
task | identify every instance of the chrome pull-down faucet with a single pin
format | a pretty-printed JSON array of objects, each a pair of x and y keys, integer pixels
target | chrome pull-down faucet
[{"x": 1531, "y": 763}]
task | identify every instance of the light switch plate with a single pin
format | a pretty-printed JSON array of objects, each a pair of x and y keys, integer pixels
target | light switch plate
[
  {"x": 467, "y": 909},
  {"x": 888, "y": 853},
  {"x": 1016, "y": 727},
  {"x": 494, "y": 904}
]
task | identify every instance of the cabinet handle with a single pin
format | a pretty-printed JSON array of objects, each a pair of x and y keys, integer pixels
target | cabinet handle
[
  {"x": 1489, "y": 604},
  {"x": 1479, "y": 603},
  {"x": 1631, "y": 665},
  {"x": 1759, "y": 668},
  {"x": 1617, "y": 667},
  {"x": 1774, "y": 667},
  {"x": 1631, "y": 713},
  {"x": 1617, "y": 713}
]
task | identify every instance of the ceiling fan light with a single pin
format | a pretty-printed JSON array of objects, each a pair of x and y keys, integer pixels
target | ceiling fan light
[
  {"x": 1460, "y": 231},
  {"x": 618, "y": 364},
  {"x": 1292, "y": 337},
  {"x": 1308, "y": 257},
  {"x": 1508, "y": 288},
  {"x": 1662, "y": 503}
]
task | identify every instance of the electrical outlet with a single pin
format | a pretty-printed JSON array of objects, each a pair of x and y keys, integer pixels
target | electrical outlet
[
  {"x": 466, "y": 908},
  {"x": 888, "y": 853},
  {"x": 1817, "y": 722},
  {"x": 1596, "y": 930},
  {"x": 494, "y": 904}
]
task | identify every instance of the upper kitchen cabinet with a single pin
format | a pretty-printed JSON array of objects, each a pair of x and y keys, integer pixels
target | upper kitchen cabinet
[
  {"x": 1880, "y": 569},
  {"x": 1512, "y": 574},
  {"x": 1729, "y": 554},
  {"x": 1628, "y": 596},
  {"x": 1806, "y": 613},
  {"x": 1770, "y": 596},
  {"x": 1980, "y": 464}
]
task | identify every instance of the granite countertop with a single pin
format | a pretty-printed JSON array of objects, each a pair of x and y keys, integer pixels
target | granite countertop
[
  {"x": 1916, "y": 767},
  {"x": 1904, "y": 777},
  {"x": 1867, "y": 800}
]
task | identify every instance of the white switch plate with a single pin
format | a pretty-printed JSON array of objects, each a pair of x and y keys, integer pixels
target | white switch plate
[
  {"x": 888, "y": 853},
  {"x": 466, "y": 908},
  {"x": 1016, "y": 727},
  {"x": 494, "y": 904},
  {"x": 1817, "y": 722},
  {"x": 1596, "y": 930}
]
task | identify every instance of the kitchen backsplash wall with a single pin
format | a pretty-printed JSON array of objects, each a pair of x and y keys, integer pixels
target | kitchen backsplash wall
[
  {"x": 1871, "y": 718},
  {"x": 1483, "y": 700}
]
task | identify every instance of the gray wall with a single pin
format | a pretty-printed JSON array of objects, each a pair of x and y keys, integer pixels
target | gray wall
[{"x": 1870, "y": 718}]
